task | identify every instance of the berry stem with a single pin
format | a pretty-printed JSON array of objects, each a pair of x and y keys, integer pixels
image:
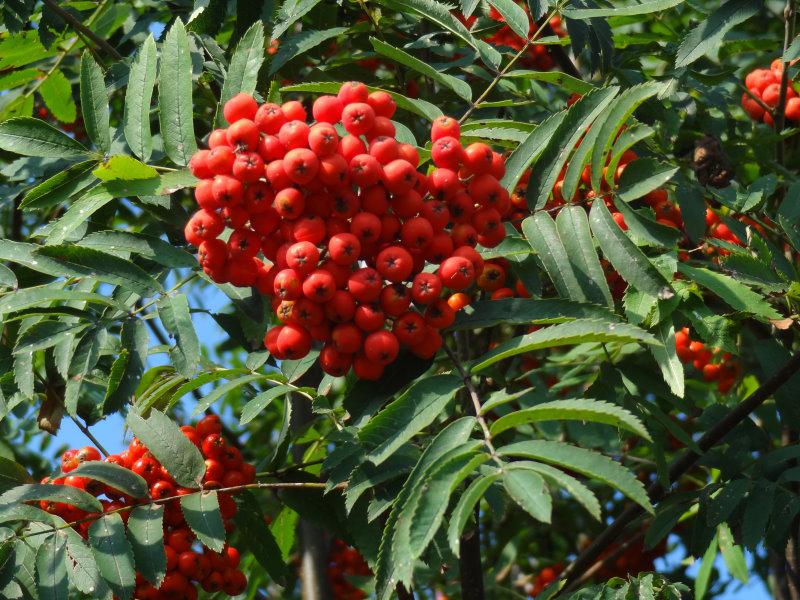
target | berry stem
[{"x": 476, "y": 403}]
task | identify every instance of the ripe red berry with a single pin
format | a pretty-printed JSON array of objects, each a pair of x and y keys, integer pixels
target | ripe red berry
[
  {"x": 241, "y": 106},
  {"x": 327, "y": 109},
  {"x": 294, "y": 341},
  {"x": 381, "y": 347}
]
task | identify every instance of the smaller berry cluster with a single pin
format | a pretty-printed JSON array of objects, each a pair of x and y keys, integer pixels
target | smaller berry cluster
[
  {"x": 360, "y": 249},
  {"x": 714, "y": 364},
  {"x": 765, "y": 84},
  {"x": 537, "y": 56},
  {"x": 344, "y": 562},
  {"x": 189, "y": 563},
  {"x": 543, "y": 578}
]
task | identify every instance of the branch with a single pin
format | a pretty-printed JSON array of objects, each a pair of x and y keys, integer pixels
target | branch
[
  {"x": 679, "y": 467},
  {"x": 85, "y": 429},
  {"x": 476, "y": 402},
  {"x": 508, "y": 66},
  {"x": 82, "y": 29}
]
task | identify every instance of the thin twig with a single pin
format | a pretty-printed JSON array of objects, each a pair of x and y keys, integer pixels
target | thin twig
[
  {"x": 476, "y": 403},
  {"x": 508, "y": 66},
  {"x": 574, "y": 572},
  {"x": 85, "y": 429},
  {"x": 82, "y": 29}
]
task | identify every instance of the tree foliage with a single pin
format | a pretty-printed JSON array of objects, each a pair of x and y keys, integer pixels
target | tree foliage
[{"x": 652, "y": 253}]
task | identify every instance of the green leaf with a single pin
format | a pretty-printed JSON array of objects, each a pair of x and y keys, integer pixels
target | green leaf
[
  {"x": 94, "y": 103},
  {"x": 123, "y": 167},
  {"x": 83, "y": 572},
  {"x": 242, "y": 74},
  {"x": 434, "y": 495},
  {"x": 115, "y": 476},
  {"x": 258, "y": 538},
  {"x": 60, "y": 187},
  {"x": 56, "y": 92},
  {"x": 579, "y": 117},
  {"x": 175, "y": 96},
  {"x": 418, "y": 107},
  {"x": 583, "y": 409},
  {"x": 442, "y": 15},
  {"x": 704, "y": 573},
  {"x": 624, "y": 256},
  {"x": 571, "y": 333},
  {"x": 526, "y": 311},
  {"x": 113, "y": 554},
  {"x": 557, "y": 78},
  {"x": 527, "y": 488},
  {"x": 759, "y": 507},
  {"x": 150, "y": 247},
  {"x": 529, "y": 150},
  {"x": 645, "y": 230},
  {"x": 46, "y": 334},
  {"x": 618, "y": 113},
  {"x": 394, "y": 547},
  {"x": 56, "y": 493},
  {"x": 667, "y": 358},
  {"x": 579, "y": 491},
  {"x": 465, "y": 508},
  {"x": 12, "y": 474},
  {"x": 288, "y": 13},
  {"x": 734, "y": 294},
  {"x": 51, "y": 568},
  {"x": 732, "y": 553},
  {"x": 201, "y": 511},
  {"x": 138, "y": 97},
  {"x": 642, "y": 176},
  {"x": 646, "y": 7},
  {"x": 255, "y": 406},
  {"x": 460, "y": 87},
  {"x": 708, "y": 33},
  {"x": 33, "y": 137},
  {"x": 26, "y": 298},
  {"x": 87, "y": 262},
  {"x": 541, "y": 233},
  {"x": 177, "y": 320},
  {"x": 573, "y": 229},
  {"x": 172, "y": 449},
  {"x": 514, "y": 16},
  {"x": 586, "y": 462},
  {"x": 299, "y": 44},
  {"x": 77, "y": 214},
  {"x": 406, "y": 416},
  {"x": 225, "y": 388},
  {"x": 146, "y": 535},
  {"x": 726, "y": 501},
  {"x": 284, "y": 530}
]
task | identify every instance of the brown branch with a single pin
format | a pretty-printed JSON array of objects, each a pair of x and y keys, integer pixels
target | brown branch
[
  {"x": 82, "y": 29},
  {"x": 85, "y": 429},
  {"x": 679, "y": 467}
]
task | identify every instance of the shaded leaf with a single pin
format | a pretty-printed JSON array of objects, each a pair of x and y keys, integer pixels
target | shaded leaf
[
  {"x": 94, "y": 103},
  {"x": 138, "y": 97},
  {"x": 113, "y": 554},
  {"x": 175, "y": 96},
  {"x": 172, "y": 449},
  {"x": 201, "y": 511},
  {"x": 146, "y": 535},
  {"x": 34, "y": 137}
]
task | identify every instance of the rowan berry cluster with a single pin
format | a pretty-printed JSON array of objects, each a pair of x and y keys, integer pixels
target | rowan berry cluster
[
  {"x": 189, "y": 563},
  {"x": 345, "y": 562},
  {"x": 358, "y": 246},
  {"x": 714, "y": 364},
  {"x": 765, "y": 84}
]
